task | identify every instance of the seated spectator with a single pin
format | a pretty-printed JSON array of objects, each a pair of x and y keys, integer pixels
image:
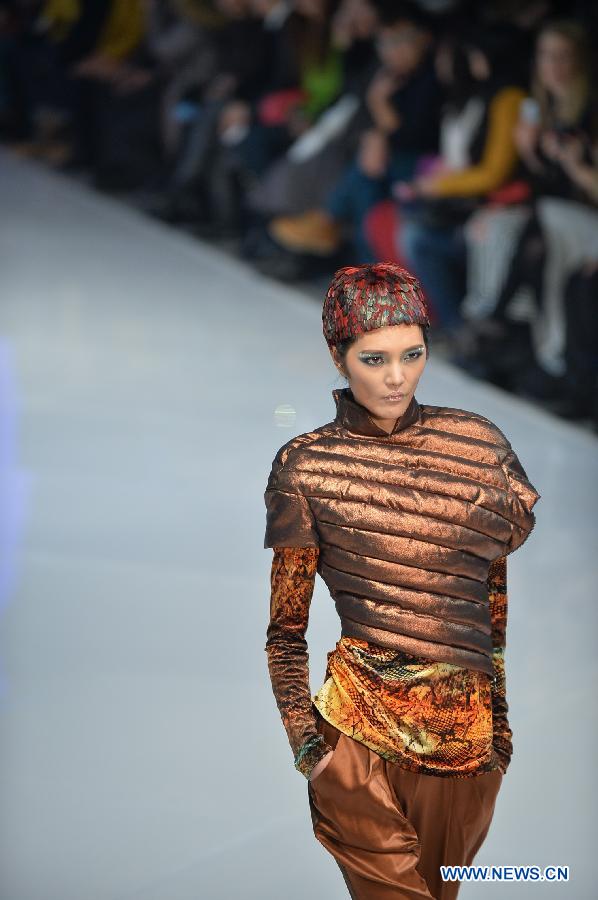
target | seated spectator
[
  {"x": 297, "y": 73},
  {"x": 478, "y": 156},
  {"x": 75, "y": 71},
  {"x": 116, "y": 91},
  {"x": 46, "y": 38},
  {"x": 300, "y": 178},
  {"x": 403, "y": 100},
  {"x": 577, "y": 393},
  {"x": 554, "y": 235},
  {"x": 181, "y": 41}
]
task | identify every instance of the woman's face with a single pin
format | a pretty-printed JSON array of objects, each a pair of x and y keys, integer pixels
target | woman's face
[
  {"x": 479, "y": 64},
  {"x": 384, "y": 361},
  {"x": 311, "y": 9},
  {"x": 359, "y": 17},
  {"x": 235, "y": 9},
  {"x": 556, "y": 64},
  {"x": 401, "y": 47}
]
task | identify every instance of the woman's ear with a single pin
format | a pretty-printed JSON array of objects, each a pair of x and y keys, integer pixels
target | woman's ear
[{"x": 337, "y": 361}]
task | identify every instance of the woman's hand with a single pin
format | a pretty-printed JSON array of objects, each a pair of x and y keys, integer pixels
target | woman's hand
[
  {"x": 236, "y": 114},
  {"x": 527, "y": 140},
  {"x": 571, "y": 154},
  {"x": 222, "y": 86},
  {"x": 412, "y": 190},
  {"x": 582, "y": 173},
  {"x": 99, "y": 66},
  {"x": 342, "y": 28},
  {"x": 321, "y": 765},
  {"x": 298, "y": 122},
  {"x": 426, "y": 186},
  {"x": 527, "y": 137},
  {"x": 550, "y": 145},
  {"x": 131, "y": 79},
  {"x": 381, "y": 88},
  {"x": 403, "y": 190},
  {"x": 373, "y": 155}
]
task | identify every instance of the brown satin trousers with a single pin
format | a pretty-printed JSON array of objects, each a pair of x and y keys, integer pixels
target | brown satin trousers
[{"x": 389, "y": 829}]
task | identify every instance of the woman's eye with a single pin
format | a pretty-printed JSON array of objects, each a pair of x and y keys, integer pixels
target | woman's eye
[{"x": 374, "y": 360}]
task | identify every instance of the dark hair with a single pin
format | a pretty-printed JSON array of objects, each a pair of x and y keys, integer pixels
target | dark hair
[
  {"x": 312, "y": 39},
  {"x": 391, "y": 12},
  {"x": 343, "y": 346}
]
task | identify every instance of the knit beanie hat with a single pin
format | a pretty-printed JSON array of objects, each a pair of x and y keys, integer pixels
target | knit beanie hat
[{"x": 361, "y": 298}]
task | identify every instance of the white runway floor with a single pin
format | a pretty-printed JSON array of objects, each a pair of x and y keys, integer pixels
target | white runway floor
[{"x": 142, "y": 380}]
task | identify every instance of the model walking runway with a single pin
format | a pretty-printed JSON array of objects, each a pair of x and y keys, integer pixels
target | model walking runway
[{"x": 146, "y": 383}]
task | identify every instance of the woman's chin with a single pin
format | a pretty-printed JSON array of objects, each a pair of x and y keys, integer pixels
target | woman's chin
[{"x": 387, "y": 408}]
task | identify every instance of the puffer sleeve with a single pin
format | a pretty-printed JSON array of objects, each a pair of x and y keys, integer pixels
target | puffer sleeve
[
  {"x": 522, "y": 497},
  {"x": 292, "y": 584},
  {"x": 289, "y": 519}
]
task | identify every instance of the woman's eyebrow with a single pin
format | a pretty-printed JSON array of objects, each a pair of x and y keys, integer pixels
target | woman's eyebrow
[{"x": 414, "y": 347}]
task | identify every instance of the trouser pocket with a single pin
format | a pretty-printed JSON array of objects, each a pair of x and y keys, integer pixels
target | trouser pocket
[{"x": 357, "y": 820}]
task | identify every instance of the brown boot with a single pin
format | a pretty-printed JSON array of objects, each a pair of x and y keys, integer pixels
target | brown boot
[{"x": 314, "y": 231}]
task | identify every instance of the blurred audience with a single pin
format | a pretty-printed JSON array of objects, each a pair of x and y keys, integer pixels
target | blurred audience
[
  {"x": 403, "y": 99},
  {"x": 457, "y": 138},
  {"x": 525, "y": 254},
  {"x": 301, "y": 177},
  {"x": 477, "y": 157}
]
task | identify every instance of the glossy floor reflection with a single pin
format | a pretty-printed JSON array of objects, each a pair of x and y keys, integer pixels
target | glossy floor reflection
[{"x": 146, "y": 382}]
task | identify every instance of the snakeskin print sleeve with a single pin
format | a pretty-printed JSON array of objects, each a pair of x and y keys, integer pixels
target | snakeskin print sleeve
[
  {"x": 292, "y": 585},
  {"x": 497, "y": 588}
]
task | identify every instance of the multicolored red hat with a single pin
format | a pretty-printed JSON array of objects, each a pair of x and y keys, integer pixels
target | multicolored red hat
[{"x": 361, "y": 298}]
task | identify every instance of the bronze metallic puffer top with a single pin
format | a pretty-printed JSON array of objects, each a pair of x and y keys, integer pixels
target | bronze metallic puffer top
[{"x": 407, "y": 522}]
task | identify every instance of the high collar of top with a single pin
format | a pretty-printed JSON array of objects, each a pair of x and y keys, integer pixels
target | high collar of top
[{"x": 356, "y": 418}]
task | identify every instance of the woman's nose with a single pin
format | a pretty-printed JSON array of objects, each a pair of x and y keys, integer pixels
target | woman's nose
[{"x": 396, "y": 375}]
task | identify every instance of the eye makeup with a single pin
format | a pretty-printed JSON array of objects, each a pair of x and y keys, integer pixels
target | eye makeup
[{"x": 412, "y": 354}]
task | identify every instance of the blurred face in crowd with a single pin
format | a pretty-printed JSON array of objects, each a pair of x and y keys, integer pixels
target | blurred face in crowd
[
  {"x": 402, "y": 46},
  {"x": 311, "y": 9},
  {"x": 479, "y": 65},
  {"x": 444, "y": 62},
  {"x": 234, "y": 9},
  {"x": 452, "y": 63},
  {"x": 556, "y": 64},
  {"x": 354, "y": 20},
  {"x": 361, "y": 15},
  {"x": 460, "y": 68},
  {"x": 262, "y": 7},
  {"x": 384, "y": 361}
]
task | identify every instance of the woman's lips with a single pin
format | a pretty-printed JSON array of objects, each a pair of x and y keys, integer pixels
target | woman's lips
[{"x": 394, "y": 398}]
